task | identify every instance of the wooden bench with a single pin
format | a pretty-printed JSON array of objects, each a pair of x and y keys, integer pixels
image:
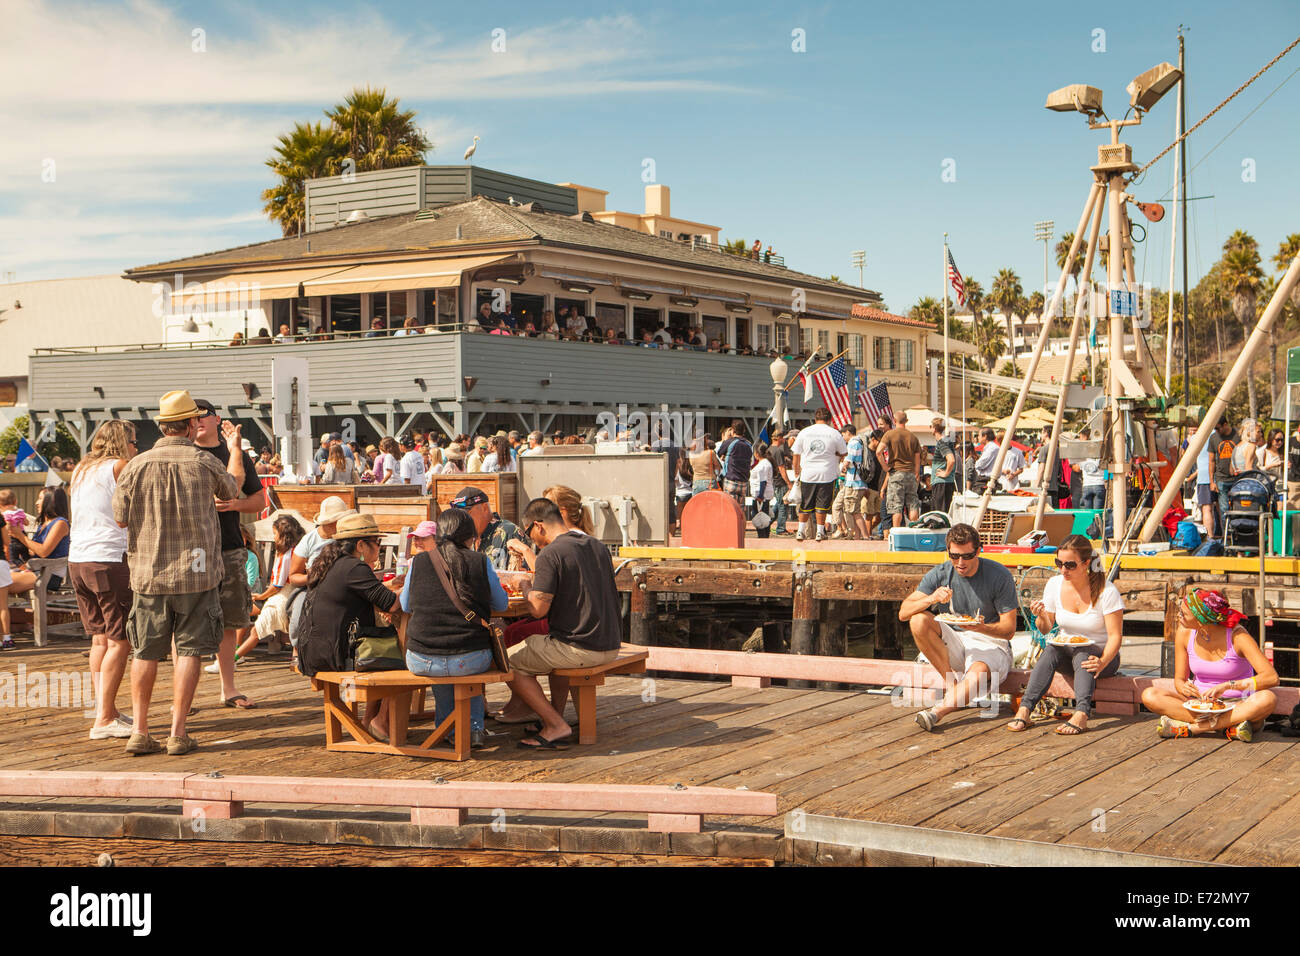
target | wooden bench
[
  {"x": 45, "y": 569},
  {"x": 583, "y": 682},
  {"x": 347, "y": 691}
]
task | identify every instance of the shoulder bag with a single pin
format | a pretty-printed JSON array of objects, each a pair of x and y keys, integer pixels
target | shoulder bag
[{"x": 495, "y": 631}]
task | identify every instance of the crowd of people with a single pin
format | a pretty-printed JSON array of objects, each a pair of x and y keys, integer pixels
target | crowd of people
[
  {"x": 571, "y": 325},
  {"x": 162, "y": 565}
]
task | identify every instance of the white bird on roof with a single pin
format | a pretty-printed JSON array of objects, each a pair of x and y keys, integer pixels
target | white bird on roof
[{"x": 473, "y": 146}]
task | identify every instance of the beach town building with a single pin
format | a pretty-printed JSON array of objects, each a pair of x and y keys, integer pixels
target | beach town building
[{"x": 434, "y": 249}]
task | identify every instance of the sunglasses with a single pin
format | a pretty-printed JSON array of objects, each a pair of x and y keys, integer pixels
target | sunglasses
[
  {"x": 1068, "y": 565},
  {"x": 968, "y": 556}
]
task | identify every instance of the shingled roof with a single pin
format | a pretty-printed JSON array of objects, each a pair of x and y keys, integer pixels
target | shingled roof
[{"x": 483, "y": 223}]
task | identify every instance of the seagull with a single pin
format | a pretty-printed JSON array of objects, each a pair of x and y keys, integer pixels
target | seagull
[{"x": 473, "y": 146}]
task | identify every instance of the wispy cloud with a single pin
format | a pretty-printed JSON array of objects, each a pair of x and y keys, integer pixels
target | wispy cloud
[{"x": 148, "y": 123}]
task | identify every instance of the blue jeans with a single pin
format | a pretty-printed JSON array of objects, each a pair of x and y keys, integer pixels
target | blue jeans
[
  {"x": 780, "y": 510},
  {"x": 1093, "y": 496},
  {"x": 1225, "y": 490},
  {"x": 451, "y": 665}
]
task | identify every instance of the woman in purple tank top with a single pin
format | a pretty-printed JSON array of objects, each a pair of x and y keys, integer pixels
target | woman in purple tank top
[{"x": 1214, "y": 659}]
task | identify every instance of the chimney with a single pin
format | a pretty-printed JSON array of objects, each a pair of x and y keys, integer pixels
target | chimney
[{"x": 656, "y": 201}]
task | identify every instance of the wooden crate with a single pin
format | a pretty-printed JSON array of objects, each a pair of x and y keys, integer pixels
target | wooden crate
[
  {"x": 501, "y": 489},
  {"x": 306, "y": 499},
  {"x": 392, "y": 513}
]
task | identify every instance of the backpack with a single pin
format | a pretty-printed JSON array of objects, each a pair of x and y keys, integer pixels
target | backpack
[{"x": 1212, "y": 548}]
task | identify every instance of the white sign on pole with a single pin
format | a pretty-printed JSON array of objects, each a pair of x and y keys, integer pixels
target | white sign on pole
[{"x": 291, "y": 414}]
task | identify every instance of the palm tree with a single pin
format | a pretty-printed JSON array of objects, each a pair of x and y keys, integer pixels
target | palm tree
[
  {"x": 1005, "y": 297},
  {"x": 1063, "y": 251},
  {"x": 1240, "y": 239},
  {"x": 1287, "y": 250},
  {"x": 1035, "y": 304},
  {"x": 990, "y": 341},
  {"x": 737, "y": 247},
  {"x": 309, "y": 151},
  {"x": 375, "y": 133},
  {"x": 928, "y": 309},
  {"x": 1241, "y": 278}
]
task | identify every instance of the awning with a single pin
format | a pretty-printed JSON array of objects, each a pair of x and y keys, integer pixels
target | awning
[
  {"x": 934, "y": 343},
  {"x": 397, "y": 276},
  {"x": 570, "y": 277},
  {"x": 241, "y": 290}
]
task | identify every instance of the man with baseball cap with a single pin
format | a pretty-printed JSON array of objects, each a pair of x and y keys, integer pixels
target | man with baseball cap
[
  {"x": 164, "y": 498},
  {"x": 494, "y": 531},
  {"x": 236, "y": 598}
]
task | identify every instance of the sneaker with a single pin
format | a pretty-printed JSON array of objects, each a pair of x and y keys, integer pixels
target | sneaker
[
  {"x": 1169, "y": 728},
  {"x": 141, "y": 744},
  {"x": 1243, "y": 732},
  {"x": 7, "y": 644},
  {"x": 926, "y": 720},
  {"x": 118, "y": 728},
  {"x": 213, "y": 668},
  {"x": 799, "y": 536},
  {"x": 821, "y": 536},
  {"x": 176, "y": 746}
]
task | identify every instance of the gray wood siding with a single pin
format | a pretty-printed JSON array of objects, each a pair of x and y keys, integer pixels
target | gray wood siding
[
  {"x": 501, "y": 186},
  {"x": 508, "y": 369},
  {"x": 445, "y": 184},
  {"x": 382, "y": 193},
  {"x": 379, "y": 370},
  {"x": 511, "y": 369}
]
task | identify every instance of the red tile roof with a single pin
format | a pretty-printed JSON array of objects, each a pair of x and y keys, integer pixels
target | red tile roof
[{"x": 861, "y": 311}]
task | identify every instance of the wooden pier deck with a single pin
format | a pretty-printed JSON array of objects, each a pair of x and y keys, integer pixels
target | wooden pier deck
[{"x": 841, "y": 753}]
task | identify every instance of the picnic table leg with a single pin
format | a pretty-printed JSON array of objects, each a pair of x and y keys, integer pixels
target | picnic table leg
[
  {"x": 586, "y": 704},
  {"x": 465, "y": 694},
  {"x": 40, "y": 633},
  {"x": 333, "y": 728},
  {"x": 399, "y": 714}
]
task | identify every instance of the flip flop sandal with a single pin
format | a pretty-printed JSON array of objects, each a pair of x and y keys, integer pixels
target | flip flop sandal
[
  {"x": 233, "y": 702},
  {"x": 1069, "y": 730},
  {"x": 535, "y": 727},
  {"x": 190, "y": 713},
  {"x": 541, "y": 743},
  {"x": 1024, "y": 725}
]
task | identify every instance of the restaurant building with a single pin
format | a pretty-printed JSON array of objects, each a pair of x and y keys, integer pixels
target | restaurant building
[{"x": 436, "y": 261}]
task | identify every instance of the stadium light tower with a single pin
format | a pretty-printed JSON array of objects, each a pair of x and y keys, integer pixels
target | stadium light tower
[
  {"x": 860, "y": 261},
  {"x": 1044, "y": 229}
]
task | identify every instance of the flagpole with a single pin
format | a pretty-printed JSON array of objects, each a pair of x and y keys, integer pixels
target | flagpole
[
  {"x": 945, "y": 332},
  {"x": 831, "y": 362}
]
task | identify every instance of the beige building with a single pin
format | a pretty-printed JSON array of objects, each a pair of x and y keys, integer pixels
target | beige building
[{"x": 657, "y": 220}]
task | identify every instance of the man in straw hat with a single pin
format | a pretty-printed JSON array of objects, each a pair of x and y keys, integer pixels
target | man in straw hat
[{"x": 165, "y": 498}]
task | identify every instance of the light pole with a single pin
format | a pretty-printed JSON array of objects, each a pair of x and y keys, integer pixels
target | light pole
[
  {"x": 860, "y": 261},
  {"x": 1043, "y": 231}
]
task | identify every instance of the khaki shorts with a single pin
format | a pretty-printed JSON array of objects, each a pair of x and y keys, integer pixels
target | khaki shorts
[
  {"x": 541, "y": 654},
  {"x": 860, "y": 501},
  {"x": 236, "y": 599},
  {"x": 194, "y": 620},
  {"x": 103, "y": 590}
]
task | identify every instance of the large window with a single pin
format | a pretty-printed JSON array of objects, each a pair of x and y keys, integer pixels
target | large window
[
  {"x": 645, "y": 320},
  {"x": 806, "y": 344},
  {"x": 527, "y": 308},
  {"x": 824, "y": 342},
  {"x": 762, "y": 337},
  {"x": 855, "y": 350},
  {"x": 715, "y": 327},
  {"x": 783, "y": 338},
  {"x": 894, "y": 355},
  {"x": 610, "y": 316},
  {"x": 680, "y": 323},
  {"x": 345, "y": 313}
]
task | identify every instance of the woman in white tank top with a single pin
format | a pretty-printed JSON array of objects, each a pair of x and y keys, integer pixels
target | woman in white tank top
[{"x": 98, "y": 572}]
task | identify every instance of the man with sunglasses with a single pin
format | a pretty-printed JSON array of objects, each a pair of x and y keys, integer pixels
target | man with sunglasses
[
  {"x": 973, "y": 658},
  {"x": 494, "y": 531}
]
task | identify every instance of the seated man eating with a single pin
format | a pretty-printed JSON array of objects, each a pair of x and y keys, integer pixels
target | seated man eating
[
  {"x": 573, "y": 587},
  {"x": 969, "y": 656}
]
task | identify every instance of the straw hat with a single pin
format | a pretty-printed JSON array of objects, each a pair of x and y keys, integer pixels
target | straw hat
[
  {"x": 356, "y": 526},
  {"x": 332, "y": 509},
  {"x": 176, "y": 407},
  {"x": 453, "y": 452}
]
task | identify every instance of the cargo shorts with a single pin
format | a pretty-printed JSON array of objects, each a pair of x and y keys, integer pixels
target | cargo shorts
[
  {"x": 236, "y": 599},
  {"x": 193, "y": 620},
  {"x": 900, "y": 494}
]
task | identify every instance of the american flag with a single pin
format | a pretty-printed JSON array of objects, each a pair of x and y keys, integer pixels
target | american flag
[
  {"x": 875, "y": 402},
  {"x": 955, "y": 278},
  {"x": 833, "y": 384}
]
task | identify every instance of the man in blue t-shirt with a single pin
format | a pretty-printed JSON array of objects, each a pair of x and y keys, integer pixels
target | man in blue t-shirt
[
  {"x": 975, "y": 655},
  {"x": 855, "y": 484},
  {"x": 737, "y": 457}
]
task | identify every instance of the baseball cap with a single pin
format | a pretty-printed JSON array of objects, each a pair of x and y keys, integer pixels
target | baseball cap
[
  {"x": 425, "y": 529},
  {"x": 469, "y": 497},
  {"x": 207, "y": 407}
]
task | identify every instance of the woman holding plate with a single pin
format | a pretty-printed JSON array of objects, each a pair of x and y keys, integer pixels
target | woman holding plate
[
  {"x": 1230, "y": 675},
  {"x": 1090, "y": 613}
]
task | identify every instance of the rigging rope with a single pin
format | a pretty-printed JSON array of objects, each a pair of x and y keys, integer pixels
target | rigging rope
[{"x": 1262, "y": 71}]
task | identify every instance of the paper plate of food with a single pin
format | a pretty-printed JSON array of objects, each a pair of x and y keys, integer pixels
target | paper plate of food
[
  {"x": 1208, "y": 706},
  {"x": 1068, "y": 640},
  {"x": 948, "y": 617}
]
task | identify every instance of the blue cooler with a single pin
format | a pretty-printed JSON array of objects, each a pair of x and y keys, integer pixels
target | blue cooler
[{"x": 916, "y": 539}]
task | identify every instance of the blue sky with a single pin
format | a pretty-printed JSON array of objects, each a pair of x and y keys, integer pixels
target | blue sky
[{"x": 157, "y": 150}]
